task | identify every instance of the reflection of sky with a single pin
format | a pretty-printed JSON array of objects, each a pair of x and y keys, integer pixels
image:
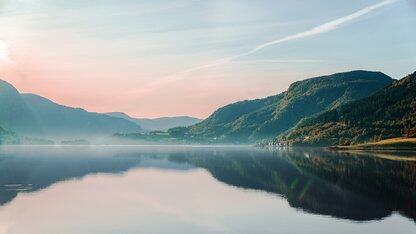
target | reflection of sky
[
  {"x": 120, "y": 55},
  {"x": 158, "y": 201}
]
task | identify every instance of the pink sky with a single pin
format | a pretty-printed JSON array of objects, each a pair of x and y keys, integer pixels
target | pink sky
[
  {"x": 63, "y": 73},
  {"x": 144, "y": 58},
  {"x": 102, "y": 88}
]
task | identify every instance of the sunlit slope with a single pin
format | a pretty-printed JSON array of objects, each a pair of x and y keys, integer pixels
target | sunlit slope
[
  {"x": 389, "y": 113},
  {"x": 249, "y": 121},
  {"x": 388, "y": 144}
]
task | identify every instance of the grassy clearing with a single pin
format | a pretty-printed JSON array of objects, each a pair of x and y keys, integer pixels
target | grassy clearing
[{"x": 388, "y": 144}]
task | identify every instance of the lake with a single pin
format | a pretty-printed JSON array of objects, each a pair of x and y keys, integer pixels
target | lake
[{"x": 183, "y": 189}]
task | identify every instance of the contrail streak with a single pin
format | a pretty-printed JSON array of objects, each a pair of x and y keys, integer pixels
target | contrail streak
[
  {"x": 284, "y": 61},
  {"x": 323, "y": 28}
]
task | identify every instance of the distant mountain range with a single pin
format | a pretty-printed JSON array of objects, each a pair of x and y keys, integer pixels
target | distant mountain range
[
  {"x": 158, "y": 124},
  {"x": 339, "y": 109},
  {"x": 33, "y": 115},
  {"x": 389, "y": 113},
  {"x": 254, "y": 120}
]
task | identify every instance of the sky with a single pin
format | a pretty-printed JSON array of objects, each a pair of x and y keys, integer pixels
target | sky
[{"x": 189, "y": 57}]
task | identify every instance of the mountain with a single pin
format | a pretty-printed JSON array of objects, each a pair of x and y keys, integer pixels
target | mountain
[
  {"x": 159, "y": 124},
  {"x": 249, "y": 121},
  {"x": 389, "y": 113},
  {"x": 55, "y": 119},
  {"x": 15, "y": 114},
  {"x": 33, "y": 115}
]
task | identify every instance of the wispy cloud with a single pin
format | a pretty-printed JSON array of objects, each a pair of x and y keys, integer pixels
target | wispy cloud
[
  {"x": 323, "y": 28},
  {"x": 284, "y": 61},
  {"x": 4, "y": 52}
]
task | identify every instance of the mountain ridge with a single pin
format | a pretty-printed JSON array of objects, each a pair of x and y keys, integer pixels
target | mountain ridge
[
  {"x": 265, "y": 118},
  {"x": 15, "y": 114},
  {"x": 160, "y": 123},
  {"x": 34, "y": 115},
  {"x": 388, "y": 113}
]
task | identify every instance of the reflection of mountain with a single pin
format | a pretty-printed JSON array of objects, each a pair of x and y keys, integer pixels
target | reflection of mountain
[
  {"x": 38, "y": 168},
  {"x": 362, "y": 188},
  {"x": 19, "y": 174},
  {"x": 391, "y": 182},
  {"x": 327, "y": 183}
]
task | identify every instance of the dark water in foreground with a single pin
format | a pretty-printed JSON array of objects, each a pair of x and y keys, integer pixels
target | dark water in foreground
[{"x": 204, "y": 190}]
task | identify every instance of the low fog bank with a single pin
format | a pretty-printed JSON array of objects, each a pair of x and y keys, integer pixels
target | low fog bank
[
  {"x": 149, "y": 138},
  {"x": 161, "y": 138}
]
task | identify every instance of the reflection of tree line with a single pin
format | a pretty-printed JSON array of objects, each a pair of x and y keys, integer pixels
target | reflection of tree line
[
  {"x": 357, "y": 188},
  {"x": 343, "y": 186},
  {"x": 391, "y": 182},
  {"x": 31, "y": 173}
]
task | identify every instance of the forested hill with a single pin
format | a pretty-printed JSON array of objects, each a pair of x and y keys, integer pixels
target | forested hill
[
  {"x": 249, "y": 121},
  {"x": 389, "y": 113}
]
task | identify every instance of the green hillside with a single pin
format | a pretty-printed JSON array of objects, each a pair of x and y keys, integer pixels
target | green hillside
[
  {"x": 249, "y": 121},
  {"x": 389, "y": 113}
]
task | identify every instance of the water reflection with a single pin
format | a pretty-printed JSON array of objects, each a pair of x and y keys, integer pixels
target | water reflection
[
  {"x": 356, "y": 187},
  {"x": 342, "y": 185},
  {"x": 29, "y": 169}
]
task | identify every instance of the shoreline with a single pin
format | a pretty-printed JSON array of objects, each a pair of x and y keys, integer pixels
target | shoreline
[
  {"x": 356, "y": 148},
  {"x": 396, "y": 144}
]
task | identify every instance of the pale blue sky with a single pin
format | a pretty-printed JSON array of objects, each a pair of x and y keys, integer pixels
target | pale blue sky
[{"x": 154, "y": 58}]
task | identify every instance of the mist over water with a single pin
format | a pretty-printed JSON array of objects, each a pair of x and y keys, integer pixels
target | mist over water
[
  {"x": 199, "y": 189},
  {"x": 145, "y": 117}
]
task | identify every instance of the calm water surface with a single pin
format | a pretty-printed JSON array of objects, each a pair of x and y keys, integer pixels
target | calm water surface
[{"x": 204, "y": 190}]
